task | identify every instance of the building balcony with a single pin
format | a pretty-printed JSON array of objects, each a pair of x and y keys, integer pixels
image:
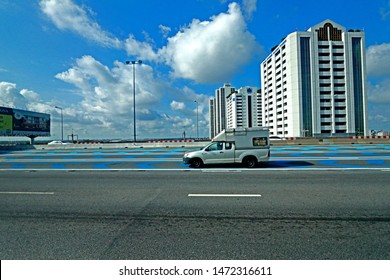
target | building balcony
[
  {"x": 339, "y": 112},
  {"x": 324, "y": 73},
  {"x": 340, "y": 127},
  {"x": 325, "y": 81},
  {"x": 338, "y": 66},
  {"x": 338, "y": 58}
]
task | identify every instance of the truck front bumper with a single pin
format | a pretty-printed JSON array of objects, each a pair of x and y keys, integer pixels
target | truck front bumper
[{"x": 186, "y": 160}]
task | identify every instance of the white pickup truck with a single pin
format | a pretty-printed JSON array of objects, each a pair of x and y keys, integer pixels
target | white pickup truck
[{"x": 248, "y": 146}]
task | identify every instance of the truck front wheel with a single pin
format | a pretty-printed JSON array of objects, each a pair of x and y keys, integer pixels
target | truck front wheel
[
  {"x": 196, "y": 163},
  {"x": 249, "y": 162}
]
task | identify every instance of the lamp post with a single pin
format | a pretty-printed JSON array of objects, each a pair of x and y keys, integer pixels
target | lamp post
[
  {"x": 62, "y": 122},
  {"x": 133, "y": 62},
  {"x": 197, "y": 123}
]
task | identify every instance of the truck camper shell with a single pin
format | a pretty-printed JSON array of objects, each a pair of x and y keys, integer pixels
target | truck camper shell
[{"x": 245, "y": 138}]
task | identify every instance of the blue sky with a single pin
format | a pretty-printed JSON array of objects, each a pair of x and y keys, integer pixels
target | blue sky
[{"x": 72, "y": 53}]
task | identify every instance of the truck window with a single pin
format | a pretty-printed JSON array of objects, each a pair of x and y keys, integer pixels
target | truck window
[
  {"x": 260, "y": 141},
  {"x": 228, "y": 146},
  {"x": 215, "y": 147}
]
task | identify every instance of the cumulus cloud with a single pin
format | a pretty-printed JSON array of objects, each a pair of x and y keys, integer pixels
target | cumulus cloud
[
  {"x": 107, "y": 99},
  {"x": 142, "y": 50},
  {"x": 378, "y": 57},
  {"x": 379, "y": 91},
  {"x": 211, "y": 51},
  {"x": 66, "y": 15},
  {"x": 110, "y": 90},
  {"x": 11, "y": 96},
  {"x": 202, "y": 51},
  {"x": 205, "y": 51}
]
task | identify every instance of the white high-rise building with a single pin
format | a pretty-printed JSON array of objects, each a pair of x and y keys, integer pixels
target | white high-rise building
[
  {"x": 243, "y": 108},
  {"x": 314, "y": 83},
  {"x": 217, "y": 108}
]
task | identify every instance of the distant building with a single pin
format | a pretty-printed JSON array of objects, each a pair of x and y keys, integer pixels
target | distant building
[
  {"x": 233, "y": 108},
  {"x": 243, "y": 108},
  {"x": 314, "y": 83},
  {"x": 217, "y": 107},
  {"x": 212, "y": 118}
]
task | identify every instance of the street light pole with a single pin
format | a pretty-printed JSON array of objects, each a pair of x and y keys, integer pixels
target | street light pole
[
  {"x": 197, "y": 123},
  {"x": 133, "y": 62},
  {"x": 62, "y": 123}
]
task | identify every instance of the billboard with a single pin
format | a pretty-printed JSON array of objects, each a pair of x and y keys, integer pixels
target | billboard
[{"x": 15, "y": 122}]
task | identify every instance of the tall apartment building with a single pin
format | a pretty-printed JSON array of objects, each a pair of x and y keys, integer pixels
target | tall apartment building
[
  {"x": 314, "y": 83},
  {"x": 243, "y": 108},
  {"x": 217, "y": 109}
]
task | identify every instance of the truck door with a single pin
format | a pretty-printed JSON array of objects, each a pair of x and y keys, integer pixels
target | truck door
[
  {"x": 213, "y": 153},
  {"x": 219, "y": 152},
  {"x": 229, "y": 155}
]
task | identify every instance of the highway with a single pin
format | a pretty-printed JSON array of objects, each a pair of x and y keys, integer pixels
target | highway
[
  {"x": 291, "y": 208},
  {"x": 282, "y": 157}
]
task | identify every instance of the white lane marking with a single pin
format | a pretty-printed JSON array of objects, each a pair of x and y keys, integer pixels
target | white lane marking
[
  {"x": 29, "y": 193},
  {"x": 221, "y": 170},
  {"x": 223, "y": 195}
]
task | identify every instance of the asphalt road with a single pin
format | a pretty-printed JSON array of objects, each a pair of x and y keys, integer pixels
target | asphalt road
[{"x": 195, "y": 214}]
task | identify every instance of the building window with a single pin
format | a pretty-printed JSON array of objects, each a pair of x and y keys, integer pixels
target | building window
[
  {"x": 306, "y": 85},
  {"x": 358, "y": 85},
  {"x": 329, "y": 33}
]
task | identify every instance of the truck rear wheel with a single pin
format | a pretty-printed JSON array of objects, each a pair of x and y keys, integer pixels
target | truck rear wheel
[
  {"x": 196, "y": 163},
  {"x": 249, "y": 162}
]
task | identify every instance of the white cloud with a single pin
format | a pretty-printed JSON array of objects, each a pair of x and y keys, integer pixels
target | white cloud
[
  {"x": 380, "y": 92},
  {"x": 249, "y": 7},
  {"x": 66, "y": 15},
  {"x": 142, "y": 50},
  {"x": 204, "y": 51},
  {"x": 211, "y": 51},
  {"x": 177, "y": 105},
  {"x": 107, "y": 100},
  {"x": 385, "y": 11},
  {"x": 378, "y": 57},
  {"x": 11, "y": 96},
  {"x": 164, "y": 30},
  {"x": 379, "y": 105}
]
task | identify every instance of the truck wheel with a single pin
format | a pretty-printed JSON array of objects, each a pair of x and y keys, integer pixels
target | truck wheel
[
  {"x": 196, "y": 163},
  {"x": 249, "y": 162}
]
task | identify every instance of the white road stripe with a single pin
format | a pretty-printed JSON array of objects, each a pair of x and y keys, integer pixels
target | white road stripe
[
  {"x": 223, "y": 195},
  {"x": 29, "y": 193}
]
